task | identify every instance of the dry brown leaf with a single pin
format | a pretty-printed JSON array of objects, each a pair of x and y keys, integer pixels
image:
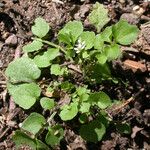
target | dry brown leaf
[
  {"x": 134, "y": 65},
  {"x": 135, "y": 130}
]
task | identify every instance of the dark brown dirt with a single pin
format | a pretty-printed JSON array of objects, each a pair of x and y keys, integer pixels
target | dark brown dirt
[{"x": 16, "y": 18}]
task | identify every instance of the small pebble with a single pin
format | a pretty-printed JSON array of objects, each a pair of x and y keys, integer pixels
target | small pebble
[
  {"x": 122, "y": 1},
  {"x": 138, "y": 10},
  {"x": 131, "y": 18},
  {"x": 11, "y": 40},
  {"x": 2, "y": 5}
]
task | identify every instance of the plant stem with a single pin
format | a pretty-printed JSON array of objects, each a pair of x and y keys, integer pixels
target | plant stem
[
  {"x": 51, "y": 117},
  {"x": 51, "y": 44}
]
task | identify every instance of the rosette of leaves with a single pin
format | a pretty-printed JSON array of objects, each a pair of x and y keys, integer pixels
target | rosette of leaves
[{"x": 90, "y": 51}]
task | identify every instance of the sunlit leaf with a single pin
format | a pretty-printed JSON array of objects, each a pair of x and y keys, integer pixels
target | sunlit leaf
[
  {"x": 25, "y": 95},
  {"x": 22, "y": 139},
  {"x": 57, "y": 70},
  {"x": 70, "y": 32},
  {"x": 124, "y": 33},
  {"x": 88, "y": 38},
  {"x": 112, "y": 52},
  {"x": 102, "y": 58},
  {"x": 100, "y": 99},
  {"x": 33, "y": 123},
  {"x": 22, "y": 70},
  {"x": 40, "y": 28},
  {"x": 34, "y": 46},
  {"x": 68, "y": 112},
  {"x": 99, "y": 16},
  {"x": 47, "y": 103},
  {"x": 44, "y": 59}
]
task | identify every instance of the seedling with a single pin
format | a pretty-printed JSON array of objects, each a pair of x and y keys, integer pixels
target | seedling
[{"x": 87, "y": 51}]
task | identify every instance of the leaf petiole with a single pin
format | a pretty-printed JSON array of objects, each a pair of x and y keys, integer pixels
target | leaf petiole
[{"x": 51, "y": 44}]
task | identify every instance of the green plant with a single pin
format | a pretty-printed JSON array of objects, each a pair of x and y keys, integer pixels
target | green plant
[{"x": 89, "y": 53}]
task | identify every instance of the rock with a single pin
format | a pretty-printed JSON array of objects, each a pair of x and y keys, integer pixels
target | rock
[
  {"x": 11, "y": 40},
  {"x": 146, "y": 116},
  {"x": 82, "y": 12},
  {"x": 2, "y": 4},
  {"x": 134, "y": 66},
  {"x": 138, "y": 10},
  {"x": 131, "y": 18},
  {"x": 122, "y": 1}
]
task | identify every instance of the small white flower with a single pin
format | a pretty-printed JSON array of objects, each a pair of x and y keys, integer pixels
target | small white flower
[
  {"x": 79, "y": 46},
  {"x": 20, "y": 125}
]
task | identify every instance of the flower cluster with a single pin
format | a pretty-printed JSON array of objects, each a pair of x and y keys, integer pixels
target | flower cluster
[{"x": 79, "y": 46}]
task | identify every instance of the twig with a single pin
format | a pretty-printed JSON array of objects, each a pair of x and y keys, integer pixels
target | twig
[
  {"x": 55, "y": 10},
  {"x": 5, "y": 131},
  {"x": 58, "y": 1},
  {"x": 66, "y": 63},
  {"x": 115, "y": 109},
  {"x": 143, "y": 17},
  {"x": 12, "y": 105},
  {"x": 74, "y": 68},
  {"x": 3, "y": 82},
  {"x": 130, "y": 49},
  {"x": 3, "y": 74},
  {"x": 17, "y": 52}
]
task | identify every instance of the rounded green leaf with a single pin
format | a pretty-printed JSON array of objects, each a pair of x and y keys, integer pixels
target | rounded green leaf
[
  {"x": 24, "y": 95},
  {"x": 33, "y": 123},
  {"x": 93, "y": 131},
  {"x": 102, "y": 58},
  {"x": 52, "y": 53},
  {"x": 88, "y": 38},
  {"x": 44, "y": 59},
  {"x": 57, "y": 70},
  {"x": 124, "y": 33},
  {"x": 21, "y": 139},
  {"x": 54, "y": 135},
  {"x": 40, "y": 28},
  {"x": 106, "y": 35},
  {"x": 47, "y": 103},
  {"x": 70, "y": 32},
  {"x": 100, "y": 99},
  {"x": 82, "y": 90},
  {"x": 84, "y": 97},
  {"x": 105, "y": 100},
  {"x": 34, "y": 46},
  {"x": 98, "y": 43},
  {"x": 112, "y": 52},
  {"x": 99, "y": 16},
  {"x": 85, "y": 54},
  {"x": 85, "y": 107},
  {"x": 22, "y": 70},
  {"x": 68, "y": 112}
]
